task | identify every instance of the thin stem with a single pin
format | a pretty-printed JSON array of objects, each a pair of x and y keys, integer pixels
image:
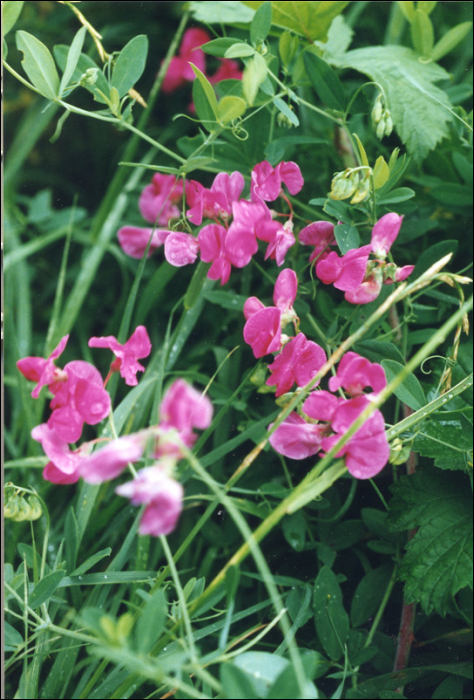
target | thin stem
[{"x": 382, "y": 607}]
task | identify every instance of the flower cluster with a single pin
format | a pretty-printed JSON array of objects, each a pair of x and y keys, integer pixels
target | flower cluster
[
  {"x": 354, "y": 273},
  {"x": 180, "y": 72},
  {"x": 79, "y": 396}
]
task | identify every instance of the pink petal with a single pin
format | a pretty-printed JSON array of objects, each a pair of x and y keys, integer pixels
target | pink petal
[
  {"x": 134, "y": 240},
  {"x": 67, "y": 423},
  {"x": 266, "y": 182},
  {"x": 354, "y": 266},
  {"x": 194, "y": 198},
  {"x": 56, "y": 449},
  {"x": 220, "y": 270},
  {"x": 111, "y": 460},
  {"x": 296, "y": 439},
  {"x": 193, "y": 39},
  {"x": 291, "y": 176},
  {"x": 320, "y": 235},
  {"x": 228, "y": 70},
  {"x": 211, "y": 242},
  {"x": 252, "y": 306},
  {"x": 367, "y": 292},
  {"x": 286, "y": 289},
  {"x": 175, "y": 75},
  {"x": 139, "y": 344},
  {"x": 321, "y": 405},
  {"x": 263, "y": 332},
  {"x": 31, "y": 368},
  {"x": 56, "y": 476},
  {"x": 309, "y": 361},
  {"x": 181, "y": 249},
  {"x": 329, "y": 269},
  {"x": 184, "y": 408},
  {"x": 404, "y": 272},
  {"x": 356, "y": 373},
  {"x": 240, "y": 246},
  {"x": 385, "y": 233}
]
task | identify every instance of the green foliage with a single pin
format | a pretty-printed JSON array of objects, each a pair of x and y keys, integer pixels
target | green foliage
[
  {"x": 410, "y": 390},
  {"x": 10, "y": 14},
  {"x": 45, "y": 588},
  {"x": 347, "y": 237},
  {"x": 130, "y": 64},
  {"x": 447, "y": 443},
  {"x": 232, "y": 12},
  {"x": 38, "y": 64},
  {"x": 73, "y": 56},
  {"x": 325, "y": 81},
  {"x": 255, "y": 74},
  {"x": 308, "y": 19},
  {"x": 331, "y": 619},
  {"x": 437, "y": 563},
  {"x": 261, "y": 23}
]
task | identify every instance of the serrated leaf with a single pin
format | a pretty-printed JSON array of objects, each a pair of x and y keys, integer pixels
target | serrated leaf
[
  {"x": 38, "y": 64},
  {"x": 217, "y": 12},
  {"x": 448, "y": 445},
  {"x": 45, "y": 588},
  {"x": 10, "y": 13},
  {"x": 255, "y": 73},
  {"x": 332, "y": 621},
  {"x": 410, "y": 390},
  {"x": 230, "y": 108},
  {"x": 422, "y": 33},
  {"x": 73, "y": 56},
  {"x": 438, "y": 560},
  {"x": 261, "y": 23},
  {"x": 450, "y": 40},
  {"x": 130, "y": 64},
  {"x": 347, "y": 237},
  {"x": 325, "y": 81},
  {"x": 419, "y": 109},
  {"x": 381, "y": 173},
  {"x": 309, "y": 19}
]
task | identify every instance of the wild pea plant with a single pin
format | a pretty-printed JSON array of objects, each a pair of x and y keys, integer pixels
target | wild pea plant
[{"x": 289, "y": 290}]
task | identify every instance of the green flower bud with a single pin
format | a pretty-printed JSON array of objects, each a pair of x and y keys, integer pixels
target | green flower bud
[
  {"x": 89, "y": 78},
  {"x": 284, "y": 121},
  {"x": 388, "y": 124},
  {"x": 36, "y": 511},
  {"x": 399, "y": 453},
  {"x": 378, "y": 110},
  {"x": 380, "y": 130},
  {"x": 362, "y": 192}
]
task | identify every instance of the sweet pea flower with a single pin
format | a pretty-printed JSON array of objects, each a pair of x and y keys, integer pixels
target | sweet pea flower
[
  {"x": 367, "y": 452},
  {"x": 65, "y": 464},
  {"x": 384, "y": 234},
  {"x": 321, "y": 406},
  {"x": 158, "y": 200},
  {"x": 279, "y": 242},
  {"x": 137, "y": 347},
  {"x": 267, "y": 181},
  {"x": 179, "y": 71},
  {"x": 299, "y": 362},
  {"x": 297, "y": 439},
  {"x": 320, "y": 235},
  {"x": 44, "y": 372},
  {"x": 401, "y": 274},
  {"x": 212, "y": 240},
  {"x": 346, "y": 273},
  {"x": 368, "y": 291},
  {"x": 227, "y": 70},
  {"x": 250, "y": 221},
  {"x": 356, "y": 373},
  {"x": 80, "y": 399},
  {"x": 216, "y": 202},
  {"x": 163, "y": 497},
  {"x": 134, "y": 240},
  {"x": 181, "y": 249},
  {"x": 107, "y": 463}
]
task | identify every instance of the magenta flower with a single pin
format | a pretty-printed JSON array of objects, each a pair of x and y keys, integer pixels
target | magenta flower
[
  {"x": 299, "y": 362},
  {"x": 368, "y": 291},
  {"x": 320, "y": 235},
  {"x": 158, "y": 200},
  {"x": 384, "y": 234},
  {"x": 181, "y": 249},
  {"x": 267, "y": 181},
  {"x": 64, "y": 467},
  {"x": 241, "y": 241},
  {"x": 216, "y": 202},
  {"x": 368, "y": 451},
  {"x": 137, "y": 347},
  {"x": 81, "y": 399},
  {"x": 163, "y": 497},
  {"x": 111, "y": 460},
  {"x": 321, "y": 406},
  {"x": 179, "y": 71},
  {"x": 227, "y": 70},
  {"x": 297, "y": 439},
  {"x": 36, "y": 369},
  {"x": 356, "y": 373},
  {"x": 401, "y": 274},
  {"x": 212, "y": 240},
  {"x": 346, "y": 273},
  {"x": 280, "y": 240},
  {"x": 134, "y": 240}
]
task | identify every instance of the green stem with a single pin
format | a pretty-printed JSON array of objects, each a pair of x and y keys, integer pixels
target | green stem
[{"x": 382, "y": 607}]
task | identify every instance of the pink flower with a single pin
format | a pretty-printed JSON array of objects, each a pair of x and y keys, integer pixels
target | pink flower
[
  {"x": 216, "y": 202},
  {"x": 281, "y": 239},
  {"x": 401, "y": 274},
  {"x": 81, "y": 399},
  {"x": 137, "y": 347},
  {"x": 346, "y": 273},
  {"x": 368, "y": 451},
  {"x": 241, "y": 240},
  {"x": 356, "y": 373},
  {"x": 181, "y": 249},
  {"x": 134, "y": 240},
  {"x": 299, "y": 362},
  {"x": 267, "y": 181},
  {"x": 368, "y": 291},
  {"x": 227, "y": 70},
  {"x": 321, "y": 406},
  {"x": 111, "y": 460},
  {"x": 320, "y": 235},
  {"x": 36, "y": 369},
  {"x": 163, "y": 497},
  {"x": 64, "y": 467},
  {"x": 384, "y": 234},
  {"x": 297, "y": 439},
  {"x": 179, "y": 70},
  {"x": 158, "y": 200},
  {"x": 212, "y": 245}
]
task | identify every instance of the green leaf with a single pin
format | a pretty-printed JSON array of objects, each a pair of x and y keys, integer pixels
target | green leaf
[
  {"x": 240, "y": 50},
  {"x": 130, "y": 64},
  {"x": 432, "y": 255},
  {"x": 236, "y": 683},
  {"x": 450, "y": 40},
  {"x": 332, "y": 621},
  {"x": 422, "y": 33},
  {"x": 263, "y": 669},
  {"x": 89, "y": 563},
  {"x": 381, "y": 173},
  {"x": 73, "y": 56},
  {"x": 378, "y": 350},
  {"x": 38, "y": 64},
  {"x": 59, "y": 126},
  {"x": 448, "y": 444},
  {"x": 288, "y": 47},
  {"x": 419, "y": 109},
  {"x": 427, "y": 5},
  {"x": 12, "y": 637},
  {"x": 369, "y": 594},
  {"x": 61, "y": 53},
  {"x": 230, "y": 108},
  {"x": 450, "y": 689},
  {"x": 309, "y": 19},
  {"x": 207, "y": 88},
  {"x": 347, "y": 237},
  {"x": 203, "y": 109},
  {"x": 410, "y": 390},
  {"x": 294, "y": 530},
  {"x": 261, "y": 24},
  {"x": 218, "y": 47},
  {"x": 286, "y": 110},
  {"x": 71, "y": 536},
  {"x": 325, "y": 81},
  {"x": 221, "y": 12},
  {"x": 10, "y": 13},
  {"x": 45, "y": 588},
  {"x": 151, "y": 622},
  {"x": 438, "y": 560},
  {"x": 285, "y": 687},
  {"x": 402, "y": 194},
  {"x": 453, "y": 195},
  {"x": 339, "y": 39},
  {"x": 228, "y": 300},
  {"x": 408, "y": 9},
  {"x": 255, "y": 73}
]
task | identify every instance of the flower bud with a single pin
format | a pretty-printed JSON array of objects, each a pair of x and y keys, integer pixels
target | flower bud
[
  {"x": 380, "y": 131},
  {"x": 388, "y": 124},
  {"x": 284, "y": 121},
  {"x": 362, "y": 192},
  {"x": 89, "y": 78},
  {"x": 399, "y": 453},
  {"x": 378, "y": 110}
]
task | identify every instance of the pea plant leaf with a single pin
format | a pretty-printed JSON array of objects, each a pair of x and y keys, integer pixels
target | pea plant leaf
[
  {"x": 448, "y": 444},
  {"x": 221, "y": 12},
  {"x": 309, "y": 19},
  {"x": 438, "y": 560},
  {"x": 420, "y": 110},
  {"x": 38, "y": 64}
]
